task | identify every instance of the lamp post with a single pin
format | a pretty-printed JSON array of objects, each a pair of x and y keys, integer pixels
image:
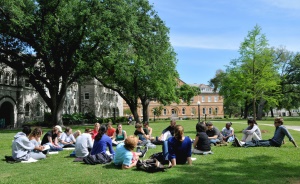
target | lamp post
[{"x": 198, "y": 110}]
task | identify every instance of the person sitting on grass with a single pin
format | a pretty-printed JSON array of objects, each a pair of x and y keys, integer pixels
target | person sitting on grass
[
  {"x": 110, "y": 130},
  {"x": 179, "y": 147},
  {"x": 119, "y": 136},
  {"x": 67, "y": 138},
  {"x": 83, "y": 144},
  {"x": 141, "y": 133},
  {"x": 95, "y": 130},
  {"x": 276, "y": 141},
  {"x": 102, "y": 141},
  {"x": 252, "y": 132},
  {"x": 22, "y": 147},
  {"x": 168, "y": 132},
  {"x": 228, "y": 133},
  {"x": 214, "y": 135},
  {"x": 125, "y": 156},
  {"x": 201, "y": 143},
  {"x": 51, "y": 139},
  {"x": 39, "y": 151},
  {"x": 146, "y": 126}
]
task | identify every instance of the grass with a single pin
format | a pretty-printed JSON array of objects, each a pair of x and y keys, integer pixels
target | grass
[{"x": 227, "y": 165}]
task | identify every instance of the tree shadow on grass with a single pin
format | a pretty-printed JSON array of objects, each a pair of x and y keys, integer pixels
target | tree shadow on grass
[{"x": 255, "y": 169}]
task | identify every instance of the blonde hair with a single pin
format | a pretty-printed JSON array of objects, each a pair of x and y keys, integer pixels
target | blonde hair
[
  {"x": 77, "y": 133},
  {"x": 178, "y": 132},
  {"x": 130, "y": 142}
]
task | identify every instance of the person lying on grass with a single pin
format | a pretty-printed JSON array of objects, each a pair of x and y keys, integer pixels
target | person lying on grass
[
  {"x": 279, "y": 134},
  {"x": 124, "y": 155}
]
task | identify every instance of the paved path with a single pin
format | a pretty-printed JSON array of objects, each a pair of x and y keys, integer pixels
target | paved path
[{"x": 297, "y": 128}]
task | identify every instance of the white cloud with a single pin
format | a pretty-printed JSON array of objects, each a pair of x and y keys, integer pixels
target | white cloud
[{"x": 206, "y": 42}]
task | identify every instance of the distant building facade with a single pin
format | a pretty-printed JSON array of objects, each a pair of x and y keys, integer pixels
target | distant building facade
[
  {"x": 210, "y": 106},
  {"x": 20, "y": 102}
]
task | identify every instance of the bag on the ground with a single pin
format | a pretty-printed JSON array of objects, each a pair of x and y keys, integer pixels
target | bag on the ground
[
  {"x": 11, "y": 160},
  {"x": 151, "y": 166},
  {"x": 160, "y": 157},
  {"x": 100, "y": 158}
]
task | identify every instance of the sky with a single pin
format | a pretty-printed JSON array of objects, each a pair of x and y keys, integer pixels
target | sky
[{"x": 206, "y": 34}]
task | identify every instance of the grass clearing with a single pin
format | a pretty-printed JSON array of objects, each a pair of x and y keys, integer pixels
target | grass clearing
[{"x": 227, "y": 165}]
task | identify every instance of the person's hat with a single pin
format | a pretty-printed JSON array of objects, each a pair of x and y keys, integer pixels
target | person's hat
[{"x": 59, "y": 128}]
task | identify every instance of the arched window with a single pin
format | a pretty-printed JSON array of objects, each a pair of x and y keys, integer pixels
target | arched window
[
  {"x": 27, "y": 109},
  {"x": 1, "y": 77},
  {"x": 6, "y": 80},
  {"x": 183, "y": 111},
  {"x": 216, "y": 110},
  {"x": 165, "y": 111},
  {"x": 210, "y": 111},
  {"x": 203, "y": 111},
  {"x": 12, "y": 79}
]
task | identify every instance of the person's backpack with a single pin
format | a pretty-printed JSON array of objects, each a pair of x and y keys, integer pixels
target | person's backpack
[
  {"x": 100, "y": 158},
  {"x": 151, "y": 166},
  {"x": 160, "y": 157}
]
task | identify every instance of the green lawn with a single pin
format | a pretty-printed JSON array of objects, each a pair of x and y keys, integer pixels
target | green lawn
[{"x": 227, "y": 165}]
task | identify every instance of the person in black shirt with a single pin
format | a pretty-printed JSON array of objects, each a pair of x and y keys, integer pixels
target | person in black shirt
[
  {"x": 201, "y": 144},
  {"x": 168, "y": 132}
]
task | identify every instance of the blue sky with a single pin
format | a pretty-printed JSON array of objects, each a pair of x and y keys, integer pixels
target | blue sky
[{"x": 206, "y": 34}]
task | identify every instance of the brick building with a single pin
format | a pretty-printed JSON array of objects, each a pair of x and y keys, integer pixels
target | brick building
[{"x": 210, "y": 105}]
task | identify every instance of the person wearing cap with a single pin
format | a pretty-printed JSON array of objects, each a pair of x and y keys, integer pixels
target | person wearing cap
[
  {"x": 228, "y": 132},
  {"x": 213, "y": 133},
  {"x": 51, "y": 139}
]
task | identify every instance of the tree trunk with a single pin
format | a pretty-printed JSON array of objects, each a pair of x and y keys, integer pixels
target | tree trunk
[
  {"x": 260, "y": 108},
  {"x": 246, "y": 111},
  {"x": 145, "y": 104},
  {"x": 272, "y": 113},
  {"x": 290, "y": 114},
  {"x": 254, "y": 108}
]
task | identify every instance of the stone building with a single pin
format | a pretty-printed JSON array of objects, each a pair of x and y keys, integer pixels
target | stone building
[
  {"x": 20, "y": 102},
  {"x": 210, "y": 105}
]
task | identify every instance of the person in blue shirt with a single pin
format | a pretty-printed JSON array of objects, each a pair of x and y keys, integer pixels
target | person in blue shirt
[
  {"x": 102, "y": 141},
  {"x": 179, "y": 147},
  {"x": 276, "y": 141}
]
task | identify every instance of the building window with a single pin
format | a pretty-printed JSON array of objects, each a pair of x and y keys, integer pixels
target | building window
[
  {"x": 203, "y": 99},
  {"x": 27, "y": 108},
  {"x": 38, "y": 109},
  {"x": 165, "y": 111},
  {"x": 6, "y": 80},
  {"x": 203, "y": 111},
  {"x": 183, "y": 111},
  {"x": 1, "y": 77},
  {"x": 209, "y": 99},
  {"x": 173, "y": 111},
  {"x": 27, "y": 84},
  {"x": 12, "y": 79},
  {"x": 193, "y": 111},
  {"x": 216, "y": 110},
  {"x": 209, "y": 110},
  {"x": 86, "y": 96}
]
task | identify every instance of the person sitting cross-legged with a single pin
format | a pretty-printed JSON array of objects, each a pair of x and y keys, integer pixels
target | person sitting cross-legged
[
  {"x": 201, "y": 143},
  {"x": 214, "y": 135},
  {"x": 276, "y": 141},
  {"x": 228, "y": 133}
]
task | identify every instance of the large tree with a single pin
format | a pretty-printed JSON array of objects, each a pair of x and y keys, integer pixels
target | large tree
[
  {"x": 141, "y": 64},
  {"x": 50, "y": 42}
]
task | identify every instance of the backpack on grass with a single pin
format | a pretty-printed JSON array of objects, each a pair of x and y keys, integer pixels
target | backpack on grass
[
  {"x": 160, "y": 157},
  {"x": 151, "y": 166}
]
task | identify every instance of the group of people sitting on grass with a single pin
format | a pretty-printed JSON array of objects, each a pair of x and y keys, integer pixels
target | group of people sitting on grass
[{"x": 176, "y": 147}]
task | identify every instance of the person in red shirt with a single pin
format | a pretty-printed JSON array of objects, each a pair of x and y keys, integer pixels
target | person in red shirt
[
  {"x": 95, "y": 130},
  {"x": 110, "y": 130}
]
